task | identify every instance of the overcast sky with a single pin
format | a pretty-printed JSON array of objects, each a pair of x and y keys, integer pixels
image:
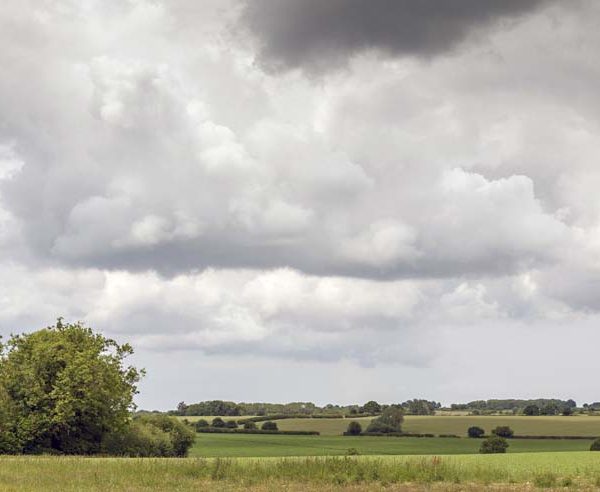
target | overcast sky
[{"x": 283, "y": 200}]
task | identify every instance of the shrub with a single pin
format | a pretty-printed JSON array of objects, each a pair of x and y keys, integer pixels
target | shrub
[
  {"x": 595, "y": 445},
  {"x": 250, "y": 426},
  {"x": 531, "y": 410},
  {"x": 150, "y": 435},
  {"x": 390, "y": 420},
  {"x": 503, "y": 431},
  {"x": 354, "y": 429},
  {"x": 269, "y": 426},
  {"x": 352, "y": 452},
  {"x": 200, "y": 424},
  {"x": 218, "y": 422},
  {"x": 493, "y": 445},
  {"x": 475, "y": 432},
  {"x": 230, "y": 424}
]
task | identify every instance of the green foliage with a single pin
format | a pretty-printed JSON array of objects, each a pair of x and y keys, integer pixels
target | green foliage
[
  {"x": 354, "y": 429},
  {"x": 493, "y": 445},
  {"x": 550, "y": 409},
  {"x": 218, "y": 422},
  {"x": 475, "y": 432},
  {"x": 269, "y": 426},
  {"x": 200, "y": 423},
  {"x": 230, "y": 424},
  {"x": 503, "y": 431},
  {"x": 371, "y": 407},
  {"x": 531, "y": 410},
  {"x": 250, "y": 426},
  {"x": 420, "y": 407},
  {"x": 151, "y": 435},
  {"x": 390, "y": 420},
  {"x": 595, "y": 445},
  {"x": 62, "y": 389}
]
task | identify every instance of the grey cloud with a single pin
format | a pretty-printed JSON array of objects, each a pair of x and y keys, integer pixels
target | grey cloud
[{"x": 318, "y": 34}]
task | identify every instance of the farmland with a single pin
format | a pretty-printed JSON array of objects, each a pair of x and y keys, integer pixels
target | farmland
[
  {"x": 241, "y": 445},
  {"x": 568, "y": 426},
  {"x": 465, "y": 472}
]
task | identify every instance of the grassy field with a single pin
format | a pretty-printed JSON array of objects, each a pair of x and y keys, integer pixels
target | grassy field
[
  {"x": 244, "y": 445},
  {"x": 470, "y": 472},
  {"x": 568, "y": 426}
]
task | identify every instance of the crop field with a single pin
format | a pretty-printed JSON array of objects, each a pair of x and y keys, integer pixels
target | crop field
[
  {"x": 564, "y": 426},
  {"x": 258, "y": 445},
  {"x": 577, "y": 470}
]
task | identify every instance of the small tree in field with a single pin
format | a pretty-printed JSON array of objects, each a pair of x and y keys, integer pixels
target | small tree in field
[
  {"x": 390, "y": 420},
  {"x": 354, "y": 429},
  {"x": 269, "y": 426},
  {"x": 218, "y": 422},
  {"x": 493, "y": 445},
  {"x": 250, "y": 425},
  {"x": 475, "y": 432},
  {"x": 503, "y": 431},
  {"x": 372, "y": 407},
  {"x": 595, "y": 445}
]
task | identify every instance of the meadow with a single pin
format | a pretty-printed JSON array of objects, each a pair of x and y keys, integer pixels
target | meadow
[
  {"x": 248, "y": 445},
  {"x": 576, "y": 470},
  {"x": 581, "y": 425}
]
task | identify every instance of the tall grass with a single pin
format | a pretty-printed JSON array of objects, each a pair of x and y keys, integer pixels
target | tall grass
[{"x": 110, "y": 474}]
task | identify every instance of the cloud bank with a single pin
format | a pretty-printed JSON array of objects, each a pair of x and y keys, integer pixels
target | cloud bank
[
  {"x": 161, "y": 181},
  {"x": 320, "y": 35}
]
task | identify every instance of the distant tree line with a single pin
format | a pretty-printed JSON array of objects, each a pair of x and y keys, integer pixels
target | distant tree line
[
  {"x": 299, "y": 409},
  {"x": 540, "y": 406}
]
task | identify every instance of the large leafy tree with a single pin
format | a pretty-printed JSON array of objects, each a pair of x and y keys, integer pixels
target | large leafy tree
[{"x": 62, "y": 389}]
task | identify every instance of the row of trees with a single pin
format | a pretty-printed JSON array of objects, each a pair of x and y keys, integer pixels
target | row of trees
[
  {"x": 545, "y": 406},
  {"x": 232, "y": 409}
]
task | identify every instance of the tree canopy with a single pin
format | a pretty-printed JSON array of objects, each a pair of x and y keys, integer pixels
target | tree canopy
[{"x": 63, "y": 389}]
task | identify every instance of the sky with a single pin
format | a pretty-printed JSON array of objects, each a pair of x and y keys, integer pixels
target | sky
[{"x": 298, "y": 200}]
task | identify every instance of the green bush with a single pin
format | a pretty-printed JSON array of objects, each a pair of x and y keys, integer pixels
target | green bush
[
  {"x": 595, "y": 445},
  {"x": 390, "y": 420},
  {"x": 503, "y": 431},
  {"x": 230, "y": 424},
  {"x": 269, "y": 426},
  {"x": 250, "y": 426},
  {"x": 150, "y": 435},
  {"x": 354, "y": 429},
  {"x": 218, "y": 422},
  {"x": 493, "y": 445},
  {"x": 475, "y": 432},
  {"x": 200, "y": 424}
]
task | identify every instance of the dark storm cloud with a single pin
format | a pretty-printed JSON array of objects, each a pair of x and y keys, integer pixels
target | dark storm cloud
[{"x": 317, "y": 34}]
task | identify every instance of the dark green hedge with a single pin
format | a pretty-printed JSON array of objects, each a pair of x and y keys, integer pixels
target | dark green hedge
[{"x": 221, "y": 430}]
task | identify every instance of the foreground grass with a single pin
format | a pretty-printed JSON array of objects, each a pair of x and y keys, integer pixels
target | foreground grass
[
  {"x": 249, "y": 445},
  {"x": 581, "y": 425},
  {"x": 513, "y": 472}
]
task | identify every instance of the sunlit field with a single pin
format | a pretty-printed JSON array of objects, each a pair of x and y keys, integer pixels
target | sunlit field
[
  {"x": 581, "y": 425},
  {"x": 470, "y": 472}
]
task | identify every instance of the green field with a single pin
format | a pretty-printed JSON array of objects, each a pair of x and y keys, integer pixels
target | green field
[
  {"x": 467, "y": 472},
  {"x": 258, "y": 445},
  {"x": 567, "y": 426}
]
